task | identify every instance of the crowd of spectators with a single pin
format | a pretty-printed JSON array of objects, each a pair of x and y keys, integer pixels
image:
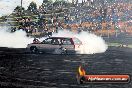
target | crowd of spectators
[{"x": 114, "y": 16}]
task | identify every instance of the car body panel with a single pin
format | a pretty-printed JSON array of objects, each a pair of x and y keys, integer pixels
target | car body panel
[{"x": 53, "y": 43}]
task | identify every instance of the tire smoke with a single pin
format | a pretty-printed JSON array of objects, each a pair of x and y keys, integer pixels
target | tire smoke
[
  {"x": 17, "y": 39},
  {"x": 91, "y": 42}
]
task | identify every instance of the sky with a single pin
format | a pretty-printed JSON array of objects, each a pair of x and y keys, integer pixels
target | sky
[{"x": 7, "y": 6}]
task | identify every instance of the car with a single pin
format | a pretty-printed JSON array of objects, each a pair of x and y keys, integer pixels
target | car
[{"x": 56, "y": 45}]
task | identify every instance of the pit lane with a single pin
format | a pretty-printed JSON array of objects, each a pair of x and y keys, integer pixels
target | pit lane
[{"x": 22, "y": 69}]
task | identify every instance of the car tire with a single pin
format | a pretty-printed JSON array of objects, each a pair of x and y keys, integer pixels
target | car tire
[{"x": 34, "y": 49}]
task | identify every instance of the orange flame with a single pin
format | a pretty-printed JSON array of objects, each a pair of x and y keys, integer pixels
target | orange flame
[{"x": 81, "y": 71}]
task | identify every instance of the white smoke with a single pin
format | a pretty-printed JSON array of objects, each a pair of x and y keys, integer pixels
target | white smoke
[
  {"x": 17, "y": 39},
  {"x": 91, "y": 42}
]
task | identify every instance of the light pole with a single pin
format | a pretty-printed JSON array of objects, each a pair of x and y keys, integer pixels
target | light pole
[
  {"x": 21, "y": 7},
  {"x": 21, "y": 3}
]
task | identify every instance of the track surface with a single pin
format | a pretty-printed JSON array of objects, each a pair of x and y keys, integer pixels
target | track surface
[{"x": 24, "y": 70}]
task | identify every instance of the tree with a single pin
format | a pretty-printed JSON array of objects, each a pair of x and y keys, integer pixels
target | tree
[
  {"x": 60, "y": 2},
  {"x": 46, "y": 3},
  {"x": 19, "y": 9},
  {"x": 32, "y": 7}
]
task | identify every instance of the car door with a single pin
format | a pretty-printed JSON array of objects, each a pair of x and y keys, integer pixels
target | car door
[
  {"x": 49, "y": 45},
  {"x": 46, "y": 45},
  {"x": 55, "y": 44},
  {"x": 67, "y": 43}
]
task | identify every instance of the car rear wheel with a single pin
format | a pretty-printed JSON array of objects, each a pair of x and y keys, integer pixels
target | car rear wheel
[{"x": 34, "y": 49}]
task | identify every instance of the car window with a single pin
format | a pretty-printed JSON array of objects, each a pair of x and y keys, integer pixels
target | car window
[
  {"x": 55, "y": 42},
  {"x": 66, "y": 42},
  {"x": 48, "y": 41},
  {"x": 76, "y": 41}
]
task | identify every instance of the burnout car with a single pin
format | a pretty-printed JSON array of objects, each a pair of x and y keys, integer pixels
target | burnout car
[{"x": 56, "y": 45}]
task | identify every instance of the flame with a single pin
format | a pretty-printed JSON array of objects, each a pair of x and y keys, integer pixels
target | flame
[{"x": 81, "y": 71}]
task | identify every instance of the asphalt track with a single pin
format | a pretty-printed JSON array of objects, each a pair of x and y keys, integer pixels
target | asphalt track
[{"x": 21, "y": 69}]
